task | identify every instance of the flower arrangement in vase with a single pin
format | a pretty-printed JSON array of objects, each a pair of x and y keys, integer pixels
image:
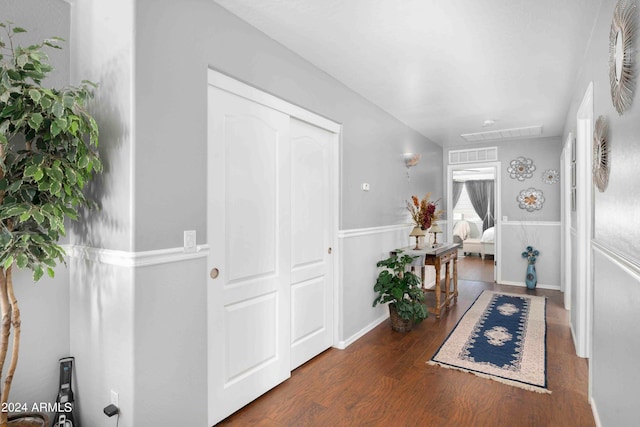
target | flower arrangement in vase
[
  {"x": 531, "y": 255},
  {"x": 423, "y": 214}
]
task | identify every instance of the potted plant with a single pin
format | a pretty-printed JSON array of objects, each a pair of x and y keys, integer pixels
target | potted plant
[
  {"x": 401, "y": 289},
  {"x": 48, "y": 154}
]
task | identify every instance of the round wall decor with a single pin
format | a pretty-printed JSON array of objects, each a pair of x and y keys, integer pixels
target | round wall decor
[
  {"x": 521, "y": 168},
  {"x": 621, "y": 54},
  {"x": 530, "y": 199},
  {"x": 600, "y": 155},
  {"x": 550, "y": 176}
]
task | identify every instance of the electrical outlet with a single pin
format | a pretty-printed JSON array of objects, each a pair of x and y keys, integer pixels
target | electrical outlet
[
  {"x": 365, "y": 186},
  {"x": 114, "y": 398},
  {"x": 189, "y": 242}
]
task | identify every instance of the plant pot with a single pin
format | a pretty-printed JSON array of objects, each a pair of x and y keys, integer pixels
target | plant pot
[
  {"x": 532, "y": 277},
  {"x": 28, "y": 419},
  {"x": 399, "y": 324}
]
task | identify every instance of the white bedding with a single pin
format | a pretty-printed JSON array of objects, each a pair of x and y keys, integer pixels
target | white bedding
[
  {"x": 489, "y": 235},
  {"x": 461, "y": 229}
]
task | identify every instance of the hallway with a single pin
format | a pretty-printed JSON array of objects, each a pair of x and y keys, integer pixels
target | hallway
[{"x": 383, "y": 379}]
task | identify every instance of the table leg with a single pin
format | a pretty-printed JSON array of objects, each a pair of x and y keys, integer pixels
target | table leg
[
  {"x": 437, "y": 267},
  {"x": 447, "y": 284},
  {"x": 455, "y": 278}
]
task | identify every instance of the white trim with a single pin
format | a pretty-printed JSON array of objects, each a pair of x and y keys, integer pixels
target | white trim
[
  {"x": 135, "y": 259},
  {"x": 232, "y": 85},
  {"x": 584, "y": 225},
  {"x": 341, "y": 345},
  {"x": 355, "y": 232},
  {"x": 497, "y": 165},
  {"x": 629, "y": 265},
  {"x": 524, "y": 285},
  {"x": 565, "y": 216},
  {"x": 533, "y": 223},
  {"x": 594, "y": 410}
]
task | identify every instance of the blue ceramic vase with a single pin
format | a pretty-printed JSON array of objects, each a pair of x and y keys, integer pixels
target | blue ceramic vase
[{"x": 532, "y": 277}]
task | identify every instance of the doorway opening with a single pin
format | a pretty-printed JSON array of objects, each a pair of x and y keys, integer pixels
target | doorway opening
[{"x": 472, "y": 219}]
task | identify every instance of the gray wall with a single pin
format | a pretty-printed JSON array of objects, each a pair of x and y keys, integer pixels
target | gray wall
[
  {"x": 175, "y": 43},
  {"x": 616, "y": 263},
  {"x": 44, "y": 306}
]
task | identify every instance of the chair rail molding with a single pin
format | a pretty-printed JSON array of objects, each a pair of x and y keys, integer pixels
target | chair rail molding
[{"x": 134, "y": 259}]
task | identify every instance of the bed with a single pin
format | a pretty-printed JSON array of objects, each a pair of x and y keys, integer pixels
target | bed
[{"x": 483, "y": 246}]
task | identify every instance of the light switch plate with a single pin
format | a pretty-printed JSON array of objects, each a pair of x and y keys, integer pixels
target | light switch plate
[{"x": 189, "y": 242}]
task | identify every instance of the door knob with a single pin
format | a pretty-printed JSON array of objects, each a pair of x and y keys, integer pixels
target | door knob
[{"x": 214, "y": 273}]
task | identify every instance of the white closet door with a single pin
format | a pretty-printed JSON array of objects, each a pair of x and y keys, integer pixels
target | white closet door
[
  {"x": 248, "y": 231},
  {"x": 311, "y": 219}
]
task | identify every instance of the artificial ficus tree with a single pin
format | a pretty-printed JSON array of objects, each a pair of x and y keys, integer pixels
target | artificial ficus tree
[{"x": 48, "y": 153}]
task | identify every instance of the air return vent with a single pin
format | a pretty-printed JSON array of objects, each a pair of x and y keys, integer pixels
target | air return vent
[{"x": 475, "y": 155}]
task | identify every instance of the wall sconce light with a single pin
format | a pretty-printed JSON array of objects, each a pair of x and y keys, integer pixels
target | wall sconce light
[{"x": 410, "y": 160}]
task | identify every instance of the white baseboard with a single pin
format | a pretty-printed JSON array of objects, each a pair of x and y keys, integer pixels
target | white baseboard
[
  {"x": 596, "y": 417},
  {"x": 341, "y": 345},
  {"x": 524, "y": 285}
]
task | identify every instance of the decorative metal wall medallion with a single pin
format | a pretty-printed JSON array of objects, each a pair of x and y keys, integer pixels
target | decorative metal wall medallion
[
  {"x": 621, "y": 54},
  {"x": 550, "y": 176},
  {"x": 600, "y": 155},
  {"x": 521, "y": 168},
  {"x": 530, "y": 199}
]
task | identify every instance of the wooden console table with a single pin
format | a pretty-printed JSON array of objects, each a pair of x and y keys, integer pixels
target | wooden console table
[{"x": 444, "y": 254}]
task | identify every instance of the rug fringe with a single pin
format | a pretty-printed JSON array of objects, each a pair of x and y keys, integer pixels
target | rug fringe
[{"x": 518, "y": 384}]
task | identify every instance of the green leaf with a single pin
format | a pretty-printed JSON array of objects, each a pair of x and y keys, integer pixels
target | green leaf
[
  {"x": 38, "y": 175},
  {"x": 31, "y": 170},
  {"x": 71, "y": 175},
  {"x": 8, "y": 262},
  {"x": 25, "y": 216},
  {"x": 35, "y": 95},
  {"x": 51, "y": 272},
  {"x": 58, "y": 109},
  {"x": 17, "y": 30},
  {"x": 37, "y": 215},
  {"x": 22, "y": 60},
  {"x": 22, "y": 260},
  {"x": 55, "y": 128},
  {"x": 35, "y": 121},
  {"x": 45, "y": 102},
  {"x": 14, "y": 186},
  {"x": 37, "y": 273},
  {"x": 56, "y": 187}
]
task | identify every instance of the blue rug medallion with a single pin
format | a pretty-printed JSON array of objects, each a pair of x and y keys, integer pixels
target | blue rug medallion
[{"x": 503, "y": 337}]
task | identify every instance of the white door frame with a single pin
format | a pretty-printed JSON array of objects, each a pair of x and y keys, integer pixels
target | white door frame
[
  {"x": 565, "y": 241},
  {"x": 497, "y": 274},
  {"x": 584, "y": 225}
]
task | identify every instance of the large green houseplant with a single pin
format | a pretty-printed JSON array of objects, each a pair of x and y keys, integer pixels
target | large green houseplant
[
  {"x": 48, "y": 144},
  {"x": 402, "y": 290}
]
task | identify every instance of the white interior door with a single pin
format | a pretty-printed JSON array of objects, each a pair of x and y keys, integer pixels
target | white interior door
[
  {"x": 248, "y": 231},
  {"x": 311, "y": 266}
]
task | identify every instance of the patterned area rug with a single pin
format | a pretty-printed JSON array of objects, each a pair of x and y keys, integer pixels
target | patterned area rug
[{"x": 502, "y": 337}]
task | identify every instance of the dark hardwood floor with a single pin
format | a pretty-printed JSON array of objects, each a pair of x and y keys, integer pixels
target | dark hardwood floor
[
  {"x": 474, "y": 268},
  {"x": 383, "y": 380}
]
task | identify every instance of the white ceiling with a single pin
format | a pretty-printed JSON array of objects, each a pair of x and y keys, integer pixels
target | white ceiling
[{"x": 443, "y": 67}]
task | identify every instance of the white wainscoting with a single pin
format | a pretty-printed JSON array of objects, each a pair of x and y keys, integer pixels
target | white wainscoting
[
  {"x": 613, "y": 366},
  {"x": 544, "y": 236},
  {"x": 361, "y": 249}
]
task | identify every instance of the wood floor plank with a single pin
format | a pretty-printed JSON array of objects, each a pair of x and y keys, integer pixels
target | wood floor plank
[{"x": 383, "y": 380}]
